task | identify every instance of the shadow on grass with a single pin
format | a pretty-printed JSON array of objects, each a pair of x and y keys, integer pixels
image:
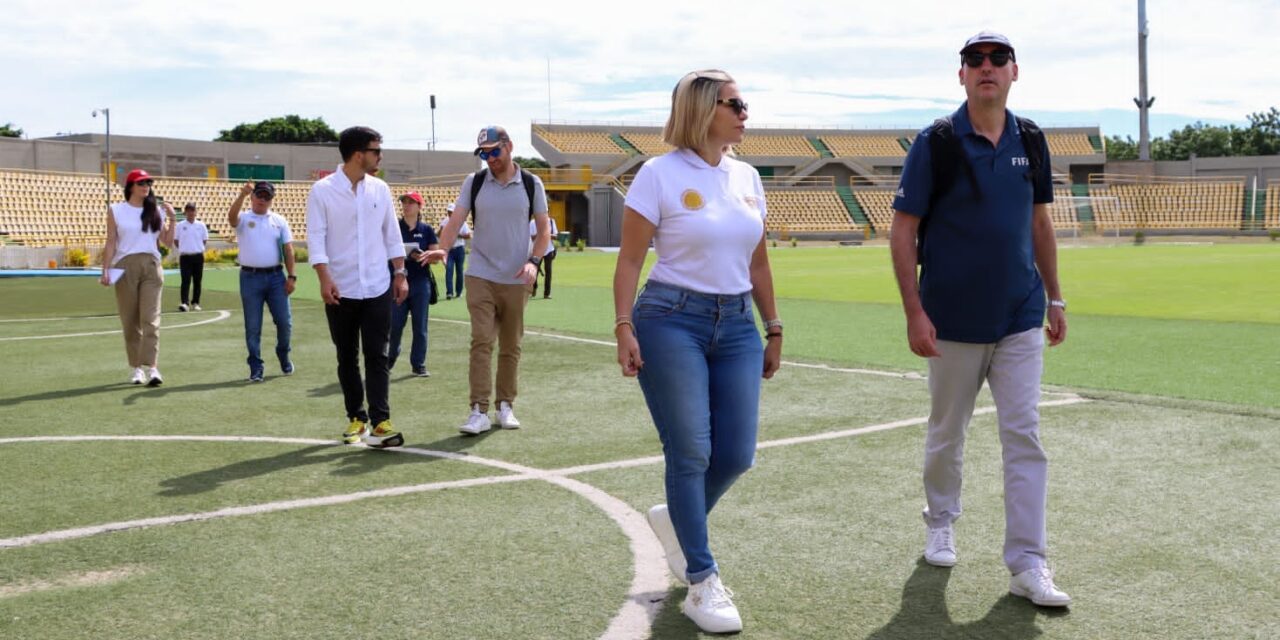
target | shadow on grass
[
  {"x": 347, "y": 461},
  {"x": 63, "y": 394},
  {"x": 671, "y": 623},
  {"x": 924, "y": 612}
]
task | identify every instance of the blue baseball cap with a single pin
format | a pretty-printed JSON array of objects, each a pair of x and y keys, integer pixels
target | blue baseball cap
[{"x": 490, "y": 137}]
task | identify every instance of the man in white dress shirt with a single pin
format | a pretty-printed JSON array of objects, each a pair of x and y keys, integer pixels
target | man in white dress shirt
[
  {"x": 352, "y": 235},
  {"x": 190, "y": 237}
]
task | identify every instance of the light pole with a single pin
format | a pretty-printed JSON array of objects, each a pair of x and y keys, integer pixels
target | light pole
[
  {"x": 433, "y": 122},
  {"x": 106, "y": 172}
]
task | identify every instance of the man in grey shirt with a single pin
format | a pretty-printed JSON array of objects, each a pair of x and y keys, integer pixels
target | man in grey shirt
[{"x": 502, "y": 266}]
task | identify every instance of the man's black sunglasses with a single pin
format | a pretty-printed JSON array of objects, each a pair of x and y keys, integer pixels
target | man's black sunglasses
[
  {"x": 998, "y": 58},
  {"x": 736, "y": 104},
  {"x": 378, "y": 150}
]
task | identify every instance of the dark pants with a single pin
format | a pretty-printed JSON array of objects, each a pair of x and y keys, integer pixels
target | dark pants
[
  {"x": 547, "y": 260},
  {"x": 415, "y": 304},
  {"x": 192, "y": 267},
  {"x": 354, "y": 322},
  {"x": 453, "y": 271}
]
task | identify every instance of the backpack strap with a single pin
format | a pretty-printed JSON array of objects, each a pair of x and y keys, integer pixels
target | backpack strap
[
  {"x": 477, "y": 181},
  {"x": 1034, "y": 143}
]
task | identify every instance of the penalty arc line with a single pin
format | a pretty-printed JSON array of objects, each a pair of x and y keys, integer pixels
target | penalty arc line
[{"x": 221, "y": 315}]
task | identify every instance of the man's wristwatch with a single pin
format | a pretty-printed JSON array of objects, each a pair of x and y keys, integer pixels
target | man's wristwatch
[
  {"x": 402, "y": 272},
  {"x": 1061, "y": 304},
  {"x": 292, "y": 277},
  {"x": 535, "y": 261}
]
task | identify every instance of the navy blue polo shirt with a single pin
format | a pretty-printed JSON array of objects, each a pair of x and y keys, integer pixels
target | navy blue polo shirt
[
  {"x": 978, "y": 277},
  {"x": 424, "y": 236}
]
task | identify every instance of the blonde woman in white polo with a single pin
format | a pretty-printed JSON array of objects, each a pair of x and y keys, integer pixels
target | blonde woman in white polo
[{"x": 690, "y": 336}]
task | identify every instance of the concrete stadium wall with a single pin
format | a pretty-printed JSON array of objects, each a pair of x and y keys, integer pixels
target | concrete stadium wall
[
  {"x": 1264, "y": 168},
  {"x": 85, "y": 153}
]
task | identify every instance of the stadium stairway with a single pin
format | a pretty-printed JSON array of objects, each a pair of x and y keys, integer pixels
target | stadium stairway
[
  {"x": 851, "y": 204},
  {"x": 821, "y": 147},
  {"x": 622, "y": 142},
  {"x": 1096, "y": 141},
  {"x": 1084, "y": 211},
  {"x": 904, "y": 143}
]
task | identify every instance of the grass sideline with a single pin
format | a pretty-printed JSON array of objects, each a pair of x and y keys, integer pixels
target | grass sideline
[{"x": 1154, "y": 525}]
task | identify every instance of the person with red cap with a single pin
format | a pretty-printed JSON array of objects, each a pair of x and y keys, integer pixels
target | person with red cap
[
  {"x": 131, "y": 261},
  {"x": 419, "y": 234}
]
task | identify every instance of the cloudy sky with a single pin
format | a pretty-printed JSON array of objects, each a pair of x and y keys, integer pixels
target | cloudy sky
[{"x": 188, "y": 69}]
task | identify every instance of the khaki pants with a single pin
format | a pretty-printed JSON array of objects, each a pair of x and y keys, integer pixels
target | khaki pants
[
  {"x": 497, "y": 311},
  {"x": 138, "y": 301}
]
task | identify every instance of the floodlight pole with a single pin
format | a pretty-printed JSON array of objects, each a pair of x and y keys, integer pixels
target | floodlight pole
[
  {"x": 1143, "y": 101},
  {"x": 433, "y": 122},
  {"x": 106, "y": 172}
]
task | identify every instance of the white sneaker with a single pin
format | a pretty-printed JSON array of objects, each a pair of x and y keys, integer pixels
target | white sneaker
[
  {"x": 940, "y": 547},
  {"x": 507, "y": 417},
  {"x": 710, "y": 606},
  {"x": 195, "y": 307},
  {"x": 476, "y": 423},
  {"x": 182, "y": 307},
  {"x": 139, "y": 376},
  {"x": 1037, "y": 586},
  {"x": 153, "y": 378},
  {"x": 660, "y": 522}
]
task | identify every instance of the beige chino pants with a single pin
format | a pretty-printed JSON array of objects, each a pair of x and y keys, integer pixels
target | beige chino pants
[
  {"x": 497, "y": 312},
  {"x": 138, "y": 302}
]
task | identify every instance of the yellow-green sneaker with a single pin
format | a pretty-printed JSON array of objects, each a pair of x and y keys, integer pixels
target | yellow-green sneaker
[
  {"x": 355, "y": 431},
  {"x": 384, "y": 436}
]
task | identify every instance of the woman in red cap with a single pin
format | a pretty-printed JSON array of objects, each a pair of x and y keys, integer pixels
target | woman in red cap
[
  {"x": 131, "y": 261},
  {"x": 413, "y": 231}
]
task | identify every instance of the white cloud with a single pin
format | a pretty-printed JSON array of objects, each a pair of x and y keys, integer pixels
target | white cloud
[{"x": 187, "y": 69}]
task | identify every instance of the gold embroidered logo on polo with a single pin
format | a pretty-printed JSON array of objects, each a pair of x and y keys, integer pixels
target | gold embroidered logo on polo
[
  {"x": 252, "y": 224},
  {"x": 692, "y": 200}
]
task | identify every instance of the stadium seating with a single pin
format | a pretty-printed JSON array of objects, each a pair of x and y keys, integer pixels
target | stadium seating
[
  {"x": 863, "y": 145},
  {"x": 50, "y": 209},
  {"x": 766, "y": 144},
  {"x": 647, "y": 143},
  {"x": 878, "y": 205},
  {"x": 807, "y": 210},
  {"x": 1124, "y": 203},
  {"x": 1063, "y": 210},
  {"x": 1069, "y": 144},
  {"x": 580, "y": 141}
]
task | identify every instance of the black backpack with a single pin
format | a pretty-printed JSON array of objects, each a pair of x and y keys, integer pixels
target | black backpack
[
  {"x": 948, "y": 160},
  {"x": 477, "y": 182}
]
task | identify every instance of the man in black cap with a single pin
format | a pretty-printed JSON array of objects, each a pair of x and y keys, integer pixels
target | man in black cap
[
  {"x": 266, "y": 273},
  {"x": 972, "y": 209}
]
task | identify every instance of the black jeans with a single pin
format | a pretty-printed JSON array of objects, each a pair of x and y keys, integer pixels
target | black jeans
[
  {"x": 547, "y": 261},
  {"x": 354, "y": 322},
  {"x": 192, "y": 267}
]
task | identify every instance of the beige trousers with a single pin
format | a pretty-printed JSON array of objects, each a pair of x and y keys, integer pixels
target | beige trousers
[
  {"x": 138, "y": 301},
  {"x": 497, "y": 311}
]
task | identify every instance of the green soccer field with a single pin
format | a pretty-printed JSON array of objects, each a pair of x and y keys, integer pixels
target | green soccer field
[{"x": 213, "y": 508}]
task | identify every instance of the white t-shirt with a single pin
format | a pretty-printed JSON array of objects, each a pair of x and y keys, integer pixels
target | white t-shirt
[
  {"x": 130, "y": 238},
  {"x": 533, "y": 234},
  {"x": 191, "y": 237},
  {"x": 465, "y": 229},
  {"x": 262, "y": 238},
  {"x": 709, "y": 220}
]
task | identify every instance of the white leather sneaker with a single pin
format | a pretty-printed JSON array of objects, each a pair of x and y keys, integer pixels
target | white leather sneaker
[
  {"x": 139, "y": 376},
  {"x": 1037, "y": 586},
  {"x": 660, "y": 522},
  {"x": 710, "y": 606},
  {"x": 153, "y": 378},
  {"x": 940, "y": 547},
  {"x": 476, "y": 423},
  {"x": 507, "y": 417}
]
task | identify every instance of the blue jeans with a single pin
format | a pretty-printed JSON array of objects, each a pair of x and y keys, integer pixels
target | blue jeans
[
  {"x": 419, "y": 296},
  {"x": 703, "y": 361},
  {"x": 257, "y": 288},
  {"x": 453, "y": 271}
]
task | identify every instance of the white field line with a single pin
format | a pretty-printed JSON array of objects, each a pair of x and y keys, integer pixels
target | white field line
[
  {"x": 220, "y": 315},
  {"x": 62, "y": 319}
]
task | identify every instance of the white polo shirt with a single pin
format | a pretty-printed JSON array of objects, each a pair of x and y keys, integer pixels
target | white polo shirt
[
  {"x": 463, "y": 230},
  {"x": 709, "y": 220},
  {"x": 191, "y": 237},
  {"x": 533, "y": 234},
  {"x": 355, "y": 233},
  {"x": 262, "y": 238}
]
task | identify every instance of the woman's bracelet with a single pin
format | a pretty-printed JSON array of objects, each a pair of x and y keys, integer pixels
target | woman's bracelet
[
  {"x": 623, "y": 321},
  {"x": 775, "y": 334}
]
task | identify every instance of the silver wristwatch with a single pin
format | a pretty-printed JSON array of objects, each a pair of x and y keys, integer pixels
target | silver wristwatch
[
  {"x": 1061, "y": 304},
  {"x": 401, "y": 272}
]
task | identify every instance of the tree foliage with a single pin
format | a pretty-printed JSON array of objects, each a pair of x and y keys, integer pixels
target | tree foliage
[
  {"x": 9, "y": 131},
  {"x": 1260, "y": 138},
  {"x": 531, "y": 163},
  {"x": 288, "y": 129}
]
